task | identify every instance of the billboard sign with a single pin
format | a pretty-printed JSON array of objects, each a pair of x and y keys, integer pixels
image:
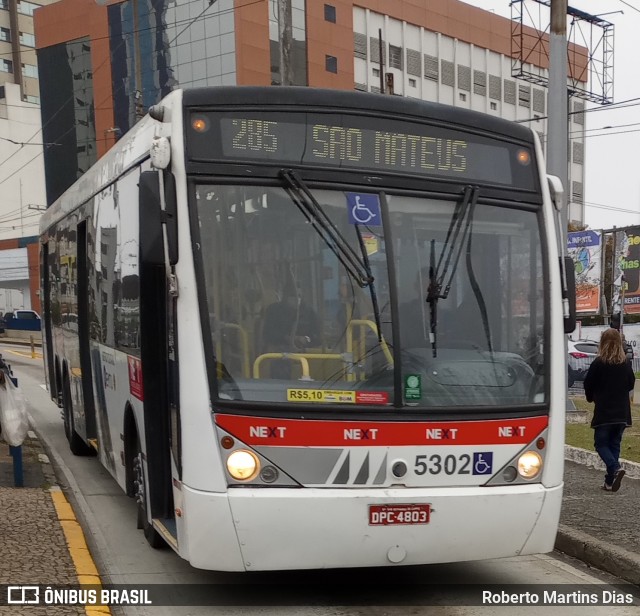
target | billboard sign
[{"x": 585, "y": 248}]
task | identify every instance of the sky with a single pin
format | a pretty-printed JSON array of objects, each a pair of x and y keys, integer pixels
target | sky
[{"x": 612, "y": 174}]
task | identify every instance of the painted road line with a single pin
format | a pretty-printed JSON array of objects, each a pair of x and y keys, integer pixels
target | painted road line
[
  {"x": 22, "y": 354},
  {"x": 86, "y": 569}
]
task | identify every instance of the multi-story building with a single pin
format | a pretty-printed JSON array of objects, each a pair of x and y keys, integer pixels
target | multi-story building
[
  {"x": 22, "y": 182},
  {"x": 116, "y": 60}
]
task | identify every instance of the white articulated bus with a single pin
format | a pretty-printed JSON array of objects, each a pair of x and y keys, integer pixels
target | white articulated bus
[{"x": 316, "y": 329}]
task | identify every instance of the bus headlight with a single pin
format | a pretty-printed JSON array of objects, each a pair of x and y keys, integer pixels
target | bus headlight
[
  {"x": 529, "y": 464},
  {"x": 243, "y": 465}
]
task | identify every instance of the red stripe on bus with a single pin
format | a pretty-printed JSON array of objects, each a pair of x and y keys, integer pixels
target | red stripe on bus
[{"x": 314, "y": 433}]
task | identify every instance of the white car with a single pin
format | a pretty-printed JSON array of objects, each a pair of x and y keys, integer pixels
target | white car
[{"x": 581, "y": 354}]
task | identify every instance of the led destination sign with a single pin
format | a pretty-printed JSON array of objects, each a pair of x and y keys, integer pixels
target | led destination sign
[{"x": 358, "y": 142}]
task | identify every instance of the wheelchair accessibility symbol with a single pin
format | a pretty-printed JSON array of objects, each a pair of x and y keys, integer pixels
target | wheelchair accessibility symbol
[
  {"x": 483, "y": 463},
  {"x": 364, "y": 209}
]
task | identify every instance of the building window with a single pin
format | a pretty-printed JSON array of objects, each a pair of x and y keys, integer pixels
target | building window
[
  {"x": 5, "y": 34},
  {"x": 538, "y": 100},
  {"x": 6, "y": 66},
  {"x": 27, "y": 39},
  {"x": 494, "y": 106},
  {"x": 495, "y": 87},
  {"x": 578, "y": 153},
  {"x": 376, "y": 72},
  {"x": 412, "y": 83},
  {"x": 330, "y": 13},
  {"x": 27, "y": 8},
  {"x": 524, "y": 96},
  {"x": 32, "y": 99},
  {"x": 331, "y": 64},
  {"x": 29, "y": 70},
  {"x": 395, "y": 57},
  {"x": 463, "y": 96},
  {"x": 431, "y": 67},
  {"x": 576, "y": 192},
  {"x": 374, "y": 50},
  {"x": 510, "y": 91},
  {"x": 413, "y": 62},
  {"x": 360, "y": 45},
  {"x": 464, "y": 78},
  {"x": 4, "y": 4},
  {"x": 479, "y": 83},
  {"x": 447, "y": 73}
]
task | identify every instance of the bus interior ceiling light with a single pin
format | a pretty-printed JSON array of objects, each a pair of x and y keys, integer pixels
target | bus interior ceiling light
[{"x": 243, "y": 465}]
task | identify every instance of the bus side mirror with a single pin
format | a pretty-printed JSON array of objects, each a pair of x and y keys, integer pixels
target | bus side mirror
[
  {"x": 568, "y": 293},
  {"x": 556, "y": 191},
  {"x": 152, "y": 217}
]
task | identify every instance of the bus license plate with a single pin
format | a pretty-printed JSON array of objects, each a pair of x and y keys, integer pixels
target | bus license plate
[{"x": 385, "y": 515}]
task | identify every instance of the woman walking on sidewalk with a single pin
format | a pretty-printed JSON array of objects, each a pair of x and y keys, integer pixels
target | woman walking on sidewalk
[{"x": 608, "y": 382}]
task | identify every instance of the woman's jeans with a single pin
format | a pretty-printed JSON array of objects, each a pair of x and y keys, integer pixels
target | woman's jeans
[{"x": 607, "y": 441}]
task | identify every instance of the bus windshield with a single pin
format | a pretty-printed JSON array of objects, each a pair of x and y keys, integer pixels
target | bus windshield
[{"x": 459, "y": 322}]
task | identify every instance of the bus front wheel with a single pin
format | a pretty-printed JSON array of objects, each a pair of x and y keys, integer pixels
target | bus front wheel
[{"x": 152, "y": 536}]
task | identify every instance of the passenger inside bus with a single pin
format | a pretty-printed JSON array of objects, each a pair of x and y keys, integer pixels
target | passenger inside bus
[{"x": 290, "y": 325}]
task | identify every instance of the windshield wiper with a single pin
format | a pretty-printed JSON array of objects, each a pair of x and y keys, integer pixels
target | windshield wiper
[
  {"x": 441, "y": 275},
  {"x": 357, "y": 266}
]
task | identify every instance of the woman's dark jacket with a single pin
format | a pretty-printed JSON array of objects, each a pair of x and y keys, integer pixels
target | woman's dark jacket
[{"x": 608, "y": 385}]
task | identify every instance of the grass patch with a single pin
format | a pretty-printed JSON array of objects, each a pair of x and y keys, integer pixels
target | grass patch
[{"x": 581, "y": 435}]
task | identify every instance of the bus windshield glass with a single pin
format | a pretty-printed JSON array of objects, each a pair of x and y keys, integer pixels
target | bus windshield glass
[{"x": 301, "y": 306}]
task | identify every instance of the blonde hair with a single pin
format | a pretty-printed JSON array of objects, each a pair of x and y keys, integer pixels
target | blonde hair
[{"x": 611, "y": 350}]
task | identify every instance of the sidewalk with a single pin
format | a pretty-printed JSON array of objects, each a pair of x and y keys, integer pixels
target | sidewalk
[
  {"x": 34, "y": 535},
  {"x": 597, "y": 527},
  {"x": 601, "y": 528}
]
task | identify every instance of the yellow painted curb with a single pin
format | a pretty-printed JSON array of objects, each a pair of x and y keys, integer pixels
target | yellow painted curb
[{"x": 86, "y": 569}]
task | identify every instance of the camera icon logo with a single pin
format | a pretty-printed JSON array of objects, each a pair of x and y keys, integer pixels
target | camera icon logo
[{"x": 23, "y": 595}]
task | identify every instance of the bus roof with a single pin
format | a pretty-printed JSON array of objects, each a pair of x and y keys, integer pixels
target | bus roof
[
  {"x": 134, "y": 145},
  {"x": 361, "y": 102}
]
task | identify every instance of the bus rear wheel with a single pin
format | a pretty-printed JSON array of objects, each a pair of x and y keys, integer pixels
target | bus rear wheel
[
  {"x": 76, "y": 445},
  {"x": 153, "y": 537}
]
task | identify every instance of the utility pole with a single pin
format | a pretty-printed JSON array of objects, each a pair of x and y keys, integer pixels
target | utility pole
[
  {"x": 557, "y": 132},
  {"x": 286, "y": 42},
  {"x": 381, "y": 52},
  {"x": 139, "y": 107}
]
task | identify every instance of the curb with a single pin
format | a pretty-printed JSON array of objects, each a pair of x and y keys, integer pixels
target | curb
[
  {"x": 591, "y": 458},
  {"x": 591, "y": 550},
  {"x": 68, "y": 487},
  {"x": 600, "y": 554}
]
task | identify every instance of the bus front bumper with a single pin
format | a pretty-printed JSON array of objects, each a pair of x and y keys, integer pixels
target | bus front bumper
[{"x": 278, "y": 529}]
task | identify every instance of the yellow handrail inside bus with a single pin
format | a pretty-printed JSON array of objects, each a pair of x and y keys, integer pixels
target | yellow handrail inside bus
[
  {"x": 362, "y": 323},
  {"x": 345, "y": 358},
  {"x": 295, "y": 356}
]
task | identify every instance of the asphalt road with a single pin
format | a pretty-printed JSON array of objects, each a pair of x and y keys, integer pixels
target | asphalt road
[{"x": 123, "y": 556}]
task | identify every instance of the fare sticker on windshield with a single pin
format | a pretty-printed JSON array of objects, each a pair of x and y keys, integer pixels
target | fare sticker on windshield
[
  {"x": 337, "y": 396},
  {"x": 412, "y": 387}
]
